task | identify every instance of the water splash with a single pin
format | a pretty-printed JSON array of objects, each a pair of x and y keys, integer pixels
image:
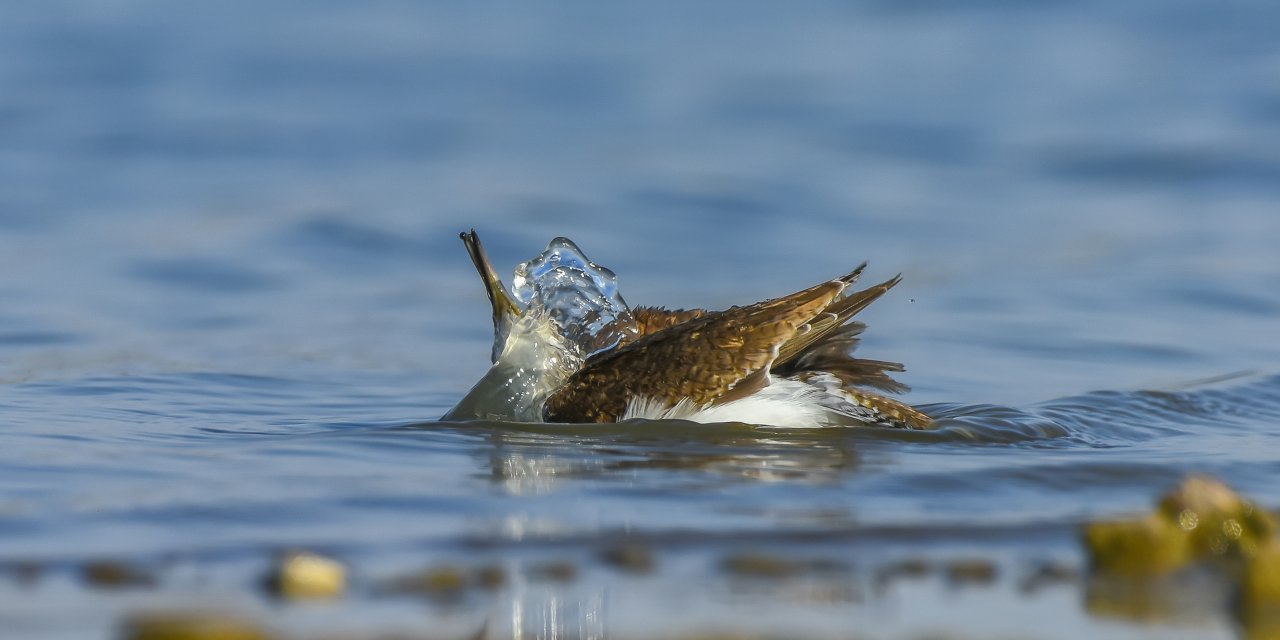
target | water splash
[
  {"x": 572, "y": 310},
  {"x": 579, "y": 296}
]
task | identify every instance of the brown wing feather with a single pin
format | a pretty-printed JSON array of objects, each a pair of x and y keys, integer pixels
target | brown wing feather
[
  {"x": 828, "y": 344},
  {"x": 823, "y": 344},
  {"x": 654, "y": 319},
  {"x": 699, "y": 359},
  {"x": 833, "y": 318},
  {"x": 833, "y": 355},
  {"x": 899, "y": 413}
]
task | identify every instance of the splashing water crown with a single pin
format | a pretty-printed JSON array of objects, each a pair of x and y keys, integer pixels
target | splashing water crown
[{"x": 579, "y": 296}]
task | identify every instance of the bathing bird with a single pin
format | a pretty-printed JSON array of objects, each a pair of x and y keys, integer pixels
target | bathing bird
[{"x": 784, "y": 362}]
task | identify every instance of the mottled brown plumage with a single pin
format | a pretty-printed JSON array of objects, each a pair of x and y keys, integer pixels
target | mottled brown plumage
[
  {"x": 895, "y": 413},
  {"x": 701, "y": 359},
  {"x": 823, "y": 344},
  {"x": 834, "y": 355},
  {"x": 656, "y": 319}
]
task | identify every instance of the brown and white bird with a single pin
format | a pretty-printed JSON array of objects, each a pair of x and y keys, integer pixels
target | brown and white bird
[{"x": 784, "y": 362}]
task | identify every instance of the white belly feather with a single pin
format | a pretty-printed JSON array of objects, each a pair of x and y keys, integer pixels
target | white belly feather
[{"x": 783, "y": 403}]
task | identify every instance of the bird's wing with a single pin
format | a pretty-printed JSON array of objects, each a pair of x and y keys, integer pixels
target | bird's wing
[
  {"x": 830, "y": 321},
  {"x": 827, "y": 345},
  {"x": 703, "y": 359}
]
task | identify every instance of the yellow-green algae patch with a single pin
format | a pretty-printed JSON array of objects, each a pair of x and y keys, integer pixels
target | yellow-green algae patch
[
  {"x": 1146, "y": 546},
  {"x": 303, "y": 575},
  {"x": 1217, "y": 520},
  {"x": 1200, "y": 519},
  {"x": 191, "y": 625},
  {"x": 1201, "y": 526},
  {"x": 1260, "y": 589}
]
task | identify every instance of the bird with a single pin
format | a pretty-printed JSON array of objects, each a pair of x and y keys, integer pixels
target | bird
[{"x": 783, "y": 362}]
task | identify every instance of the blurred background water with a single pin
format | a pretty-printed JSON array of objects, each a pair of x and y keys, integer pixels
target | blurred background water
[{"x": 234, "y": 298}]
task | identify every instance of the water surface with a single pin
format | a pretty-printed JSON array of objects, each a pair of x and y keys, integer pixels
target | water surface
[{"x": 235, "y": 303}]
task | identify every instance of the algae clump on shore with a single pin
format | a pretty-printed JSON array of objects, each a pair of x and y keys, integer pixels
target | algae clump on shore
[
  {"x": 302, "y": 575},
  {"x": 1201, "y": 524},
  {"x": 1200, "y": 519}
]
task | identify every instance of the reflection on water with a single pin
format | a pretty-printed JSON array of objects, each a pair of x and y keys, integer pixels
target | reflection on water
[
  {"x": 1188, "y": 598},
  {"x": 542, "y": 611},
  {"x": 538, "y": 460}
]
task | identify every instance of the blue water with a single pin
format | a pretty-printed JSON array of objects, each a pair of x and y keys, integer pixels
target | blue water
[{"x": 234, "y": 301}]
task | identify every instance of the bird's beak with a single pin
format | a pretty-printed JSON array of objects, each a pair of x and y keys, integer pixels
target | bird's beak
[{"x": 505, "y": 309}]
